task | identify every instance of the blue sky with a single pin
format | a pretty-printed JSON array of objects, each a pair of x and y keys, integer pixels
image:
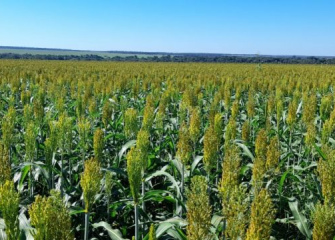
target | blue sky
[{"x": 284, "y": 27}]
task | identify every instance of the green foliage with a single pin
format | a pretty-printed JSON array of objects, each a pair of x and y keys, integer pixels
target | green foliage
[{"x": 277, "y": 123}]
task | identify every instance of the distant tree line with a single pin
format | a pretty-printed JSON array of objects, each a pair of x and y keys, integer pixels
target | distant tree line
[{"x": 178, "y": 58}]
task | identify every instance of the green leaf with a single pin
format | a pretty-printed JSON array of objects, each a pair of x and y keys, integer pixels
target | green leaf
[
  {"x": 282, "y": 180},
  {"x": 76, "y": 210},
  {"x": 176, "y": 234},
  {"x": 162, "y": 228},
  {"x": 245, "y": 151},
  {"x": 216, "y": 220},
  {"x": 196, "y": 161},
  {"x": 26, "y": 227},
  {"x": 300, "y": 220},
  {"x": 171, "y": 227},
  {"x": 125, "y": 147},
  {"x": 24, "y": 172},
  {"x": 172, "y": 180},
  {"x": 319, "y": 151},
  {"x": 245, "y": 168},
  {"x": 114, "y": 234},
  {"x": 157, "y": 195}
]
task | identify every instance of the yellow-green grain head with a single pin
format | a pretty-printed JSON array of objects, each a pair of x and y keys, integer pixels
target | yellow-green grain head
[
  {"x": 130, "y": 122},
  {"x": 109, "y": 182},
  {"x": 30, "y": 141},
  {"x": 51, "y": 218},
  {"x": 149, "y": 113},
  {"x": 48, "y": 152},
  {"x": 272, "y": 154},
  {"x": 60, "y": 105},
  {"x": 189, "y": 98},
  {"x": 327, "y": 130},
  {"x": 211, "y": 145},
  {"x": 195, "y": 125},
  {"x": 90, "y": 182},
  {"x": 270, "y": 105},
  {"x": 184, "y": 147},
  {"x": 245, "y": 131},
  {"x": 262, "y": 217},
  {"x": 9, "y": 209},
  {"x": 226, "y": 97},
  {"x": 8, "y": 125},
  {"x": 251, "y": 105},
  {"x": 291, "y": 115},
  {"x": 143, "y": 144},
  {"x": 27, "y": 114},
  {"x": 309, "y": 108},
  {"x": 259, "y": 166},
  {"x": 324, "y": 221},
  {"x": 92, "y": 107},
  {"x": 160, "y": 116},
  {"x": 218, "y": 125},
  {"x": 152, "y": 232},
  {"x": 53, "y": 135},
  {"x": 326, "y": 170},
  {"x": 84, "y": 127},
  {"x": 25, "y": 97},
  {"x": 230, "y": 133},
  {"x": 134, "y": 169},
  {"x": 310, "y": 135},
  {"x": 230, "y": 171},
  {"x": 38, "y": 111},
  {"x": 64, "y": 135},
  {"x": 183, "y": 112},
  {"x": 279, "y": 110},
  {"x": 98, "y": 144},
  {"x": 5, "y": 168},
  {"x": 199, "y": 210},
  {"x": 261, "y": 144},
  {"x": 107, "y": 111},
  {"x": 235, "y": 210},
  {"x": 326, "y": 106},
  {"x": 234, "y": 109}
]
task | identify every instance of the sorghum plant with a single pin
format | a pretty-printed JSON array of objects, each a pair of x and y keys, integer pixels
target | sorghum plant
[
  {"x": 134, "y": 169},
  {"x": 9, "y": 208},
  {"x": 50, "y": 218},
  {"x": 90, "y": 183},
  {"x": 261, "y": 218},
  {"x": 199, "y": 210}
]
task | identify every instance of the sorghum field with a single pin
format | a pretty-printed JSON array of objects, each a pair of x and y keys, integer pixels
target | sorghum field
[{"x": 101, "y": 150}]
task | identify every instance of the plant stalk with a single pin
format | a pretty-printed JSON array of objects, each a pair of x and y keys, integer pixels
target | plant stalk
[
  {"x": 136, "y": 222},
  {"x": 61, "y": 174},
  {"x": 87, "y": 218}
]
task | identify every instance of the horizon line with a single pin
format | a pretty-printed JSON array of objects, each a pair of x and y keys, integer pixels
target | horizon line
[{"x": 160, "y": 52}]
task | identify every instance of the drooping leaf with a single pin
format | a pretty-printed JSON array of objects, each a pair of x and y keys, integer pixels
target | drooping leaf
[
  {"x": 300, "y": 220},
  {"x": 114, "y": 234}
]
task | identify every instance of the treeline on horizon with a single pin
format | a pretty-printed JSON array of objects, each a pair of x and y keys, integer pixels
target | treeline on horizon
[{"x": 178, "y": 58}]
